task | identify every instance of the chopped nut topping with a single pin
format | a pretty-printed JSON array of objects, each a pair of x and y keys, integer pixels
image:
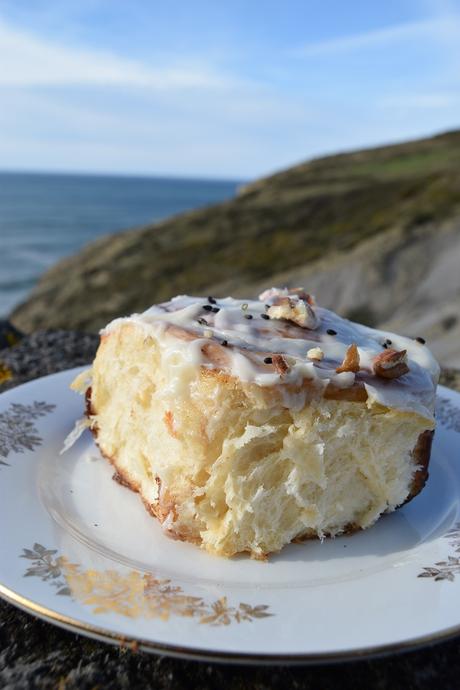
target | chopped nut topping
[
  {"x": 280, "y": 364},
  {"x": 350, "y": 361},
  {"x": 207, "y": 333},
  {"x": 391, "y": 364},
  {"x": 315, "y": 353},
  {"x": 293, "y": 309}
]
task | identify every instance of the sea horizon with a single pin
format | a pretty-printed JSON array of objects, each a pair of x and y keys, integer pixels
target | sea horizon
[{"x": 124, "y": 175}]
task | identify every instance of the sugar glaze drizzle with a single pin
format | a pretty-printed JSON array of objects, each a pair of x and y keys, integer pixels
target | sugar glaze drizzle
[{"x": 240, "y": 338}]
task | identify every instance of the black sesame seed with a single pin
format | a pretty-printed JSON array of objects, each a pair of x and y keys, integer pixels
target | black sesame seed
[
  {"x": 385, "y": 346},
  {"x": 330, "y": 331},
  {"x": 420, "y": 340},
  {"x": 211, "y": 300},
  {"x": 267, "y": 306},
  {"x": 203, "y": 322},
  {"x": 248, "y": 316},
  {"x": 224, "y": 343},
  {"x": 215, "y": 309},
  {"x": 207, "y": 307},
  {"x": 268, "y": 360},
  {"x": 388, "y": 341},
  {"x": 265, "y": 316}
]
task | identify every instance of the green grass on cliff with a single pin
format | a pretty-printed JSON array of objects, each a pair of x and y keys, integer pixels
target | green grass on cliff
[{"x": 275, "y": 224}]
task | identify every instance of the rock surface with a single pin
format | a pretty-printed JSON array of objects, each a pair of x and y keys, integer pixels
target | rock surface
[
  {"x": 375, "y": 233},
  {"x": 46, "y": 352},
  {"x": 35, "y": 655}
]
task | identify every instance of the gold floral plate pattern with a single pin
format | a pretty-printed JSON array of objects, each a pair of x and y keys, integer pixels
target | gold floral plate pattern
[{"x": 80, "y": 550}]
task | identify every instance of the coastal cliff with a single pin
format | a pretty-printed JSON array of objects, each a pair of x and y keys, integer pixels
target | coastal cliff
[{"x": 375, "y": 234}]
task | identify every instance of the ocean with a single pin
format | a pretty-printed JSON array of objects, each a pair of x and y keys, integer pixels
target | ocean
[{"x": 44, "y": 217}]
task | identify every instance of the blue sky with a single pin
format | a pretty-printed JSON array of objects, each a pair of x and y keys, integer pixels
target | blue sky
[{"x": 219, "y": 89}]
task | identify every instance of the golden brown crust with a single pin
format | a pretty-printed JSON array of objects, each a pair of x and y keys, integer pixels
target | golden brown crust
[
  {"x": 421, "y": 455},
  {"x": 89, "y": 410},
  {"x": 119, "y": 477}
]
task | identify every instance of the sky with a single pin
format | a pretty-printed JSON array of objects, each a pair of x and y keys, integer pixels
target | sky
[{"x": 221, "y": 89}]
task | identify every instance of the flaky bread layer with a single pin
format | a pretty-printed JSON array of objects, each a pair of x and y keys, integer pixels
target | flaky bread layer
[{"x": 227, "y": 465}]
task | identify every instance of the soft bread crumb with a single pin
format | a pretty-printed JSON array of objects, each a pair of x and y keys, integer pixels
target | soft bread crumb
[{"x": 238, "y": 471}]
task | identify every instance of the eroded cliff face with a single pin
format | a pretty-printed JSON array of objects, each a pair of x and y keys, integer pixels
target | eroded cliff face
[
  {"x": 376, "y": 234},
  {"x": 406, "y": 282}
]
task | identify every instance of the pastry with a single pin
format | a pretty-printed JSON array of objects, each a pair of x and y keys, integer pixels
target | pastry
[{"x": 246, "y": 425}]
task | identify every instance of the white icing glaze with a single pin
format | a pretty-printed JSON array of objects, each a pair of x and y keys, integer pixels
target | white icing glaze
[{"x": 187, "y": 324}]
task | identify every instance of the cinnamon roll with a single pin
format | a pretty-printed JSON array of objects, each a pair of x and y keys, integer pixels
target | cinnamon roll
[{"x": 246, "y": 425}]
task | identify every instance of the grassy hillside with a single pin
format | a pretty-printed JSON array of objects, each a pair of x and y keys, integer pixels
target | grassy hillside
[{"x": 279, "y": 223}]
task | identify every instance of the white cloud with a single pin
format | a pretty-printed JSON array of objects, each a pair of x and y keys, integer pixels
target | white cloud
[
  {"x": 378, "y": 38},
  {"x": 237, "y": 133},
  {"x": 71, "y": 107},
  {"x": 28, "y": 60}
]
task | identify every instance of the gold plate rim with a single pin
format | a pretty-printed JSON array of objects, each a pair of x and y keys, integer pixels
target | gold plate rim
[{"x": 220, "y": 656}]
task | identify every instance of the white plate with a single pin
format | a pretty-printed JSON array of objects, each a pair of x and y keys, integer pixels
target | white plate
[{"x": 80, "y": 550}]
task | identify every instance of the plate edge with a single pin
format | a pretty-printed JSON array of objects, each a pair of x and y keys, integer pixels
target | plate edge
[{"x": 220, "y": 656}]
